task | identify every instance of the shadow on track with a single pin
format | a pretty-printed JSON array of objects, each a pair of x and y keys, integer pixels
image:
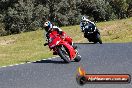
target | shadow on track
[
  {"x": 86, "y": 43},
  {"x": 51, "y": 61}
]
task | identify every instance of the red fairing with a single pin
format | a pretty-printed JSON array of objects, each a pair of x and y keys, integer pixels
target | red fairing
[
  {"x": 67, "y": 38},
  {"x": 70, "y": 48},
  {"x": 56, "y": 40}
]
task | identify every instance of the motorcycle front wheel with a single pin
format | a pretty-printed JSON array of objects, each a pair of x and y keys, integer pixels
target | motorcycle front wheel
[{"x": 64, "y": 54}]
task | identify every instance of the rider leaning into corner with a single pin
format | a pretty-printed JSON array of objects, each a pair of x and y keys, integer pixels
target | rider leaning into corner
[
  {"x": 87, "y": 24},
  {"x": 49, "y": 27}
]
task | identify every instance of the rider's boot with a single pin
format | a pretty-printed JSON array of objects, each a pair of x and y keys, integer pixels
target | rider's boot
[{"x": 54, "y": 53}]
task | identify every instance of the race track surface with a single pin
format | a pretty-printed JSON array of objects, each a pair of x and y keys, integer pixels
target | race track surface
[{"x": 96, "y": 59}]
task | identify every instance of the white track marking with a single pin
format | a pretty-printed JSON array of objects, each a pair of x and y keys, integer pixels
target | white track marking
[{"x": 28, "y": 62}]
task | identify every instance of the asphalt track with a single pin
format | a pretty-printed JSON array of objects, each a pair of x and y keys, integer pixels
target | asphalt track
[{"x": 96, "y": 59}]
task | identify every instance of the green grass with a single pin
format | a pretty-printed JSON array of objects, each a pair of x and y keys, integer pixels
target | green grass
[
  {"x": 25, "y": 47},
  {"x": 116, "y": 31}
]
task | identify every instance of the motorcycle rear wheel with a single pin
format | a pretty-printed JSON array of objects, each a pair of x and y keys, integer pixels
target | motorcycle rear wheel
[
  {"x": 78, "y": 58},
  {"x": 99, "y": 38}
]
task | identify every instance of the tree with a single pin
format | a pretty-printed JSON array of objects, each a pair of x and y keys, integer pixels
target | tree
[
  {"x": 24, "y": 16},
  {"x": 120, "y": 8},
  {"x": 129, "y": 9},
  {"x": 18, "y": 16},
  {"x": 100, "y": 10}
]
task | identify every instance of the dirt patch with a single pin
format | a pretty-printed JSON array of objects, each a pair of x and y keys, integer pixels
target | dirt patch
[
  {"x": 110, "y": 27},
  {"x": 3, "y": 55},
  {"x": 6, "y": 42}
]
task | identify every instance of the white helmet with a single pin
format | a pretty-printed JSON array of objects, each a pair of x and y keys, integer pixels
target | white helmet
[
  {"x": 47, "y": 26},
  {"x": 85, "y": 19}
]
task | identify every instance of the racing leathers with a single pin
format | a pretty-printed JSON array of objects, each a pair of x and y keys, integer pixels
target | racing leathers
[
  {"x": 87, "y": 25},
  {"x": 60, "y": 32}
]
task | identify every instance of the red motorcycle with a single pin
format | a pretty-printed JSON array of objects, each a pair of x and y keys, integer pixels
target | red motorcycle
[{"x": 62, "y": 48}]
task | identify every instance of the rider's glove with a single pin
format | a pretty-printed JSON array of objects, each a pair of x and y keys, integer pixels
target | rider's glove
[
  {"x": 83, "y": 29},
  {"x": 63, "y": 35},
  {"x": 45, "y": 44}
]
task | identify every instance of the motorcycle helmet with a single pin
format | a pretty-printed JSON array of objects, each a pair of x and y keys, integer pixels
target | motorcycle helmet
[
  {"x": 47, "y": 26},
  {"x": 84, "y": 20}
]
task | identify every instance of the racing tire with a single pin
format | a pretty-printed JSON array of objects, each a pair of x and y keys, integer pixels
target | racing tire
[
  {"x": 99, "y": 38},
  {"x": 78, "y": 58},
  {"x": 63, "y": 55}
]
